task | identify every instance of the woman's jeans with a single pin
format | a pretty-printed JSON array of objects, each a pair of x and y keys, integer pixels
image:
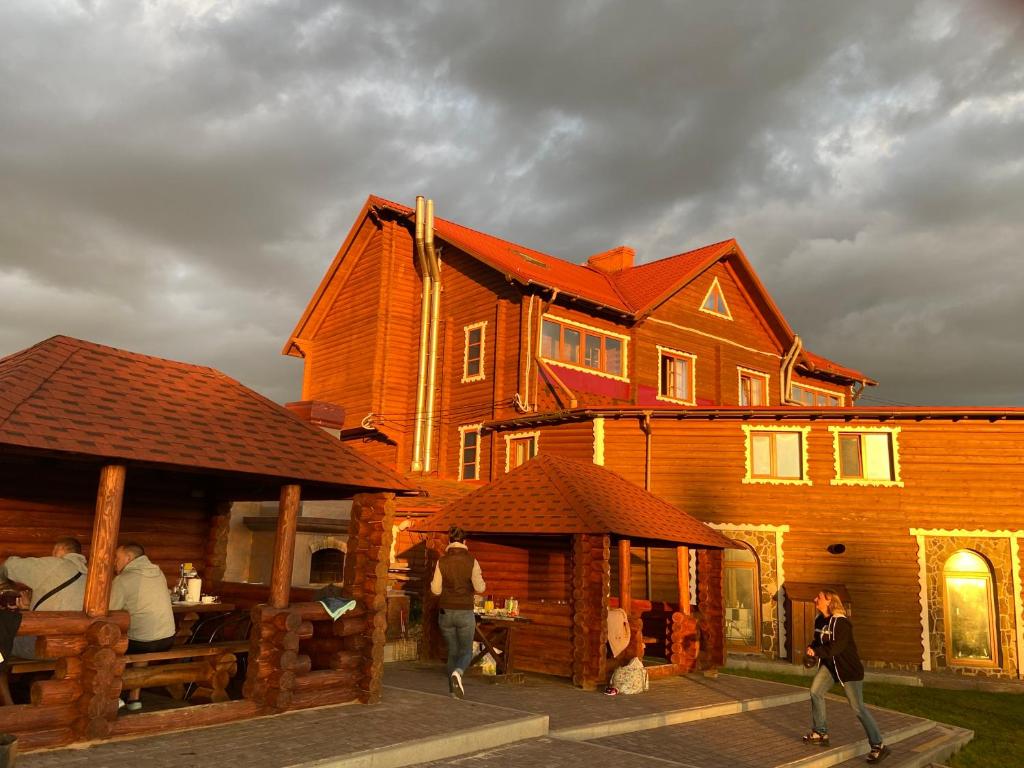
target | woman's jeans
[
  {"x": 855, "y": 695},
  {"x": 457, "y": 628}
]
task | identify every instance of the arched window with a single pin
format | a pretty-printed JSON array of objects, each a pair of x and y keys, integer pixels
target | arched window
[
  {"x": 742, "y": 601},
  {"x": 969, "y": 610},
  {"x": 326, "y": 566}
]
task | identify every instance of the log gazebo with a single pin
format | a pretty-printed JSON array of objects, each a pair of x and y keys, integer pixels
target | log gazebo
[
  {"x": 100, "y": 443},
  {"x": 549, "y": 532}
]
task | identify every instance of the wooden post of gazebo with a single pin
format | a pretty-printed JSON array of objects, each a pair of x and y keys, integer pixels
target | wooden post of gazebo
[
  {"x": 710, "y": 575},
  {"x": 590, "y": 576},
  {"x": 683, "y": 577},
  {"x": 101, "y": 671},
  {"x": 273, "y": 651}
]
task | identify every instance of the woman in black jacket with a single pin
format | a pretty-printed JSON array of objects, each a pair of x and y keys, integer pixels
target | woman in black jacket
[{"x": 838, "y": 661}]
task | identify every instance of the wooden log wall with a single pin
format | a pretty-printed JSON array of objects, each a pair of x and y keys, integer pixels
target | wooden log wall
[
  {"x": 590, "y": 576},
  {"x": 366, "y": 575},
  {"x": 710, "y": 574},
  {"x": 79, "y": 701},
  {"x": 38, "y": 506},
  {"x": 432, "y": 646}
]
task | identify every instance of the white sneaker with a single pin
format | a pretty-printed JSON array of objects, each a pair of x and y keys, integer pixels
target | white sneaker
[
  {"x": 456, "y": 684},
  {"x": 120, "y": 703},
  {"x": 133, "y": 706}
]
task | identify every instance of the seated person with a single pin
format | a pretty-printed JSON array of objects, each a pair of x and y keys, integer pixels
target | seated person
[
  {"x": 140, "y": 588},
  {"x": 57, "y": 583}
]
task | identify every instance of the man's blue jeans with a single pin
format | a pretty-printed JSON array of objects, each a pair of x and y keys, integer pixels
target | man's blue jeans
[
  {"x": 855, "y": 695},
  {"x": 457, "y": 628}
]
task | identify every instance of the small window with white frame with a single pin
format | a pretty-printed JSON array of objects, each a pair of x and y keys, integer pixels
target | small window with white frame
[
  {"x": 469, "y": 452},
  {"x": 714, "y": 301},
  {"x": 753, "y": 387},
  {"x": 676, "y": 376},
  {"x": 866, "y": 456},
  {"x": 520, "y": 447},
  {"x": 473, "y": 354},
  {"x": 813, "y": 396},
  {"x": 776, "y": 455}
]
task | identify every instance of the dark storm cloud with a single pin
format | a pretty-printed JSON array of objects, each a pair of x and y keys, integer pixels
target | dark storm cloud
[{"x": 175, "y": 178}]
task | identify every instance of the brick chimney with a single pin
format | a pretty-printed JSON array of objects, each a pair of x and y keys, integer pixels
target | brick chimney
[{"x": 615, "y": 260}]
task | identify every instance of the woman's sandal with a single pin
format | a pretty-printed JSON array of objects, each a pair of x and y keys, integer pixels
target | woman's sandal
[
  {"x": 821, "y": 739},
  {"x": 878, "y": 754}
]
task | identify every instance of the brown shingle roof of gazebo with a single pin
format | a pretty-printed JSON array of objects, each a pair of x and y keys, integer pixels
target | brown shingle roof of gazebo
[
  {"x": 69, "y": 396},
  {"x": 557, "y": 495}
]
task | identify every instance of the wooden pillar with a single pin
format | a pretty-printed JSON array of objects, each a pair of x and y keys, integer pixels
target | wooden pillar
[
  {"x": 105, "y": 526},
  {"x": 625, "y": 577},
  {"x": 590, "y": 577},
  {"x": 683, "y": 576},
  {"x": 430, "y": 647},
  {"x": 710, "y": 604},
  {"x": 371, "y": 529},
  {"x": 284, "y": 547}
]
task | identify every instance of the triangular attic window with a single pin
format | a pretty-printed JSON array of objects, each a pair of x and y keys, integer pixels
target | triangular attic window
[{"x": 714, "y": 301}]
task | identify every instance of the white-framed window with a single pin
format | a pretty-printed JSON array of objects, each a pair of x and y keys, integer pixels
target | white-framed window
[
  {"x": 969, "y": 608},
  {"x": 714, "y": 301},
  {"x": 866, "y": 456},
  {"x": 776, "y": 455},
  {"x": 473, "y": 352},
  {"x": 677, "y": 376},
  {"x": 753, "y": 386},
  {"x": 520, "y": 447},
  {"x": 584, "y": 347},
  {"x": 814, "y": 396},
  {"x": 469, "y": 452}
]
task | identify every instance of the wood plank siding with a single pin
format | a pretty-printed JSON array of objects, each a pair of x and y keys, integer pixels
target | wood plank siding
[{"x": 955, "y": 475}]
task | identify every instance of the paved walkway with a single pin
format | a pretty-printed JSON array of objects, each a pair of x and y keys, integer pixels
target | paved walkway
[{"x": 690, "y": 722}]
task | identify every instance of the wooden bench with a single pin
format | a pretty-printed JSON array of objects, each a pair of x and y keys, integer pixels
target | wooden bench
[{"x": 204, "y": 671}]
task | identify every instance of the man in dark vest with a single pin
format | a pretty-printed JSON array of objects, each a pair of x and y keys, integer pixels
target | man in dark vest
[{"x": 456, "y": 578}]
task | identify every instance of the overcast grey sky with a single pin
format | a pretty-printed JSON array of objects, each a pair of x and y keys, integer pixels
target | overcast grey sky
[{"x": 175, "y": 177}]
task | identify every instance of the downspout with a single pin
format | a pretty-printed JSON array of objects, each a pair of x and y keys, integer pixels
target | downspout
[
  {"x": 435, "y": 310},
  {"x": 417, "y": 439},
  {"x": 786, "y": 373},
  {"x": 542, "y": 310},
  {"x": 645, "y": 425},
  {"x": 529, "y": 354}
]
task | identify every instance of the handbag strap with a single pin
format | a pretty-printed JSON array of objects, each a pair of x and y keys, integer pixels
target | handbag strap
[{"x": 55, "y": 590}]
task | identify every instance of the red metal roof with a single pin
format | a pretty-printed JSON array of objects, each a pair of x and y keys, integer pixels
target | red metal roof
[
  {"x": 557, "y": 495},
  {"x": 815, "y": 362},
  {"x": 70, "y": 396}
]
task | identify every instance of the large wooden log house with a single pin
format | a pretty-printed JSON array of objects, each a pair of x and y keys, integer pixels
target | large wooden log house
[
  {"x": 463, "y": 355},
  {"x": 107, "y": 446}
]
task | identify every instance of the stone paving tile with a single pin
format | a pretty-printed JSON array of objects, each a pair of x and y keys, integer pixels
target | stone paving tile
[
  {"x": 276, "y": 742},
  {"x": 759, "y": 739},
  {"x": 570, "y": 707}
]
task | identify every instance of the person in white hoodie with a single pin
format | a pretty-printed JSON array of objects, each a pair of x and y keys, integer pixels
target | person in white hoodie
[
  {"x": 140, "y": 588},
  {"x": 57, "y": 583}
]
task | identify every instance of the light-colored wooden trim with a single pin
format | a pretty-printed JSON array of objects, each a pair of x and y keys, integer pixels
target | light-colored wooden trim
[
  {"x": 1018, "y": 603},
  {"x": 599, "y": 441},
  {"x": 462, "y": 447},
  {"x": 692, "y": 385},
  {"x": 715, "y": 284},
  {"x": 466, "y": 378},
  {"x": 896, "y": 482},
  {"x": 105, "y": 527},
  {"x": 722, "y": 339},
  {"x": 976, "y": 533},
  {"x": 751, "y": 372},
  {"x": 748, "y": 458},
  {"x": 922, "y": 578},
  {"x": 519, "y": 436}
]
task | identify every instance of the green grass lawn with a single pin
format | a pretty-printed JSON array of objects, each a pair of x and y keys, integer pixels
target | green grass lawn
[{"x": 997, "y": 719}]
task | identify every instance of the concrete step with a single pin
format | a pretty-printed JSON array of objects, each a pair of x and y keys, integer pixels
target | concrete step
[
  {"x": 924, "y": 750},
  {"x": 855, "y": 751},
  {"x": 441, "y": 747},
  {"x": 674, "y": 717}
]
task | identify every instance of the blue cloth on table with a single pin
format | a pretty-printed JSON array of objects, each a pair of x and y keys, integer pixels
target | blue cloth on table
[{"x": 337, "y": 606}]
